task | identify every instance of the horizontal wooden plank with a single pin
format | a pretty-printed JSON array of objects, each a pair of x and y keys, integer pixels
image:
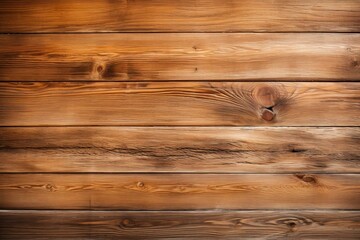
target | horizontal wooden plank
[
  {"x": 187, "y": 149},
  {"x": 179, "y": 103},
  {"x": 256, "y": 57},
  {"x": 179, "y": 191},
  {"x": 180, "y": 225},
  {"x": 175, "y": 16}
]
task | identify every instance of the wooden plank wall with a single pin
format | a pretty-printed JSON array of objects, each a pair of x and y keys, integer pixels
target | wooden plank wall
[{"x": 182, "y": 119}]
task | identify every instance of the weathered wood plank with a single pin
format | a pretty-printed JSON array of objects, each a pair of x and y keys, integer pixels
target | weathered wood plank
[
  {"x": 179, "y": 16},
  {"x": 180, "y": 225},
  {"x": 179, "y": 103},
  {"x": 187, "y": 149},
  {"x": 256, "y": 57},
  {"x": 179, "y": 191}
]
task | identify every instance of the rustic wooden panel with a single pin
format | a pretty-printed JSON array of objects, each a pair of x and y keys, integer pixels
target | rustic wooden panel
[
  {"x": 289, "y": 57},
  {"x": 179, "y": 103},
  {"x": 173, "y": 16},
  {"x": 179, "y": 191},
  {"x": 180, "y": 225},
  {"x": 187, "y": 149}
]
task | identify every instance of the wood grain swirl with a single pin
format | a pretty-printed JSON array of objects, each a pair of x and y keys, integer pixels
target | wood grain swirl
[
  {"x": 186, "y": 149},
  {"x": 141, "y": 57},
  {"x": 179, "y": 191},
  {"x": 179, "y": 16},
  {"x": 180, "y": 225},
  {"x": 179, "y": 104}
]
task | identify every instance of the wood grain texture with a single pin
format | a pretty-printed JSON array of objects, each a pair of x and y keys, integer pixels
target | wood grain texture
[
  {"x": 179, "y": 104},
  {"x": 161, "y": 119},
  {"x": 179, "y": 191},
  {"x": 187, "y": 149},
  {"x": 108, "y": 57},
  {"x": 179, "y": 16},
  {"x": 180, "y": 225}
]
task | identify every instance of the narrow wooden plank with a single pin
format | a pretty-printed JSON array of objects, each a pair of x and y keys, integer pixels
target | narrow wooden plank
[
  {"x": 179, "y": 103},
  {"x": 256, "y": 57},
  {"x": 180, "y": 225},
  {"x": 175, "y": 16},
  {"x": 179, "y": 191},
  {"x": 187, "y": 149}
]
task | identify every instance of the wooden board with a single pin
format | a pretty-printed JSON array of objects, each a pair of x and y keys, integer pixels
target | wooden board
[
  {"x": 179, "y": 191},
  {"x": 187, "y": 149},
  {"x": 108, "y": 57},
  {"x": 179, "y": 103},
  {"x": 179, "y": 16},
  {"x": 180, "y": 225}
]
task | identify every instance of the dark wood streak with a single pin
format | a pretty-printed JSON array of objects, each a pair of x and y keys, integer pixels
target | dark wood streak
[
  {"x": 140, "y": 57},
  {"x": 179, "y": 191},
  {"x": 187, "y": 149}
]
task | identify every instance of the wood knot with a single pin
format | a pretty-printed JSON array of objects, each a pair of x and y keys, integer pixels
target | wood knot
[
  {"x": 268, "y": 114},
  {"x": 140, "y": 185},
  {"x": 266, "y": 96},
  {"x": 306, "y": 178},
  {"x": 50, "y": 187},
  {"x": 127, "y": 222},
  {"x": 355, "y": 63},
  {"x": 291, "y": 224},
  {"x": 99, "y": 69}
]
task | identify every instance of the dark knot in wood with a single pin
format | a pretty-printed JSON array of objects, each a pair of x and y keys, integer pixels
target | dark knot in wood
[
  {"x": 127, "y": 223},
  {"x": 291, "y": 224},
  {"x": 267, "y": 114},
  {"x": 100, "y": 69},
  {"x": 306, "y": 178},
  {"x": 267, "y": 97}
]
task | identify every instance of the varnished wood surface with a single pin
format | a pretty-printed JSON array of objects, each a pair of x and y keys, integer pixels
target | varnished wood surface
[
  {"x": 227, "y": 56},
  {"x": 179, "y": 191},
  {"x": 179, "y": 104},
  {"x": 180, "y": 225},
  {"x": 179, "y": 16},
  {"x": 181, "y": 119},
  {"x": 186, "y": 149}
]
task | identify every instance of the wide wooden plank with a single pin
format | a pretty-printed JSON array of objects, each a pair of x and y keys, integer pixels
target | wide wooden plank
[
  {"x": 179, "y": 103},
  {"x": 255, "y": 57},
  {"x": 175, "y": 16},
  {"x": 180, "y": 225},
  {"x": 187, "y": 149},
  {"x": 179, "y": 191}
]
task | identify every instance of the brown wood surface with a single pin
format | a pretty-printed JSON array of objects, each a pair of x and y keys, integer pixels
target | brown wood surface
[
  {"x": 179, "y": 16},
  {"x": 228, "y": 56},
  {"x": 180, "y": 225},
  {"x": 179, "y": 191},
  {"x": 187, "y": 149},
  {"x": 179, "y": 103},
  {"x": 162, "y": 119}
]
